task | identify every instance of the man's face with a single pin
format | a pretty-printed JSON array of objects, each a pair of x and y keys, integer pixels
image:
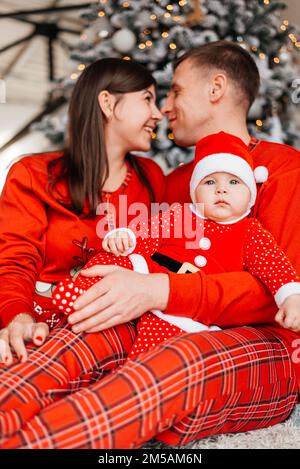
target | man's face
[{"x": 187, "y": 106}]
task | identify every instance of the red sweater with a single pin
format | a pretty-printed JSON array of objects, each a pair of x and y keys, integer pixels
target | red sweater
[
  {"x": 222, "y": 297},
  {"x": 40, "y": 240}
]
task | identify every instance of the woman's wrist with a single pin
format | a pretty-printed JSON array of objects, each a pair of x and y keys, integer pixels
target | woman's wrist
[{"x": 23, "y": 317}]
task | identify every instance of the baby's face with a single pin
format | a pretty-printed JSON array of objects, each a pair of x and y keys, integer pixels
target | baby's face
[{"x": 224, "y": 197}]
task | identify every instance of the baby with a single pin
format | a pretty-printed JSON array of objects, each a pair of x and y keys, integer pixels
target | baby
[{"x": 223, "y": 190}]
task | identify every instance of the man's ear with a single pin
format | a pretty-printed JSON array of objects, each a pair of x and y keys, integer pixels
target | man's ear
[
  {"x": 218, "y": 87},
  {"x": 106, "y": 102}
]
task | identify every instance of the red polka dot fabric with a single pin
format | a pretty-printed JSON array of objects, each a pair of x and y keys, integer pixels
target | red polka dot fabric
[
  {"x": 151, "y": 332},
  {"x": 264, "y": 258}
]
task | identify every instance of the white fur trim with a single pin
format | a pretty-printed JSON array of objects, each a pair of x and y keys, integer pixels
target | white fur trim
[
  {"x": 139, "y": 263},
  {"x": 186, "y": 324},
  {"x": 228, "y": 163},
  {"x": 42, "y": 287},
  {"x": 261, "y": 174},
  {"x": 123, "y": 230},
  {"x": 291, "y": 288}
]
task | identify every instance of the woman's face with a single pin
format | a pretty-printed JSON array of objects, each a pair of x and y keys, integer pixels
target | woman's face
[{"x": 134, "y": 118}]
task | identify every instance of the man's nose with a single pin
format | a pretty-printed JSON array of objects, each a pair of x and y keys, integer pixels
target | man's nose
[{"x": 167, "y": 106}]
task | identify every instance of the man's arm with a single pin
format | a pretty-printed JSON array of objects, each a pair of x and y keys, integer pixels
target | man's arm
[{"x": 227, "y": 299}]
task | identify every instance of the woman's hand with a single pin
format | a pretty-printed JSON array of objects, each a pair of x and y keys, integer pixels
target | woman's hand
[
  {"x": 120, "y": 296},
  {"x": 21, "y": 329}
]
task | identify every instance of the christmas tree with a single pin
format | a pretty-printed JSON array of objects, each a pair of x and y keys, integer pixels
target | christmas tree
[{"x": 156, "y": 32}]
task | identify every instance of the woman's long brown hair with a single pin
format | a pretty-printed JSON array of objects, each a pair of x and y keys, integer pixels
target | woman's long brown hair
[{"x": 84, "y": 160}]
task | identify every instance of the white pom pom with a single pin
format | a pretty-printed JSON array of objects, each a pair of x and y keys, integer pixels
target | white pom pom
[{"x": 261, "y": 174}]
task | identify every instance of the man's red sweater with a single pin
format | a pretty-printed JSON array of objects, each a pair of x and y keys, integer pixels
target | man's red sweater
[{"x": 237, "y": 298}]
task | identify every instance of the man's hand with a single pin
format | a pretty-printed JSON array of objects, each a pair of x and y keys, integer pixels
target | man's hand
[
  {"x": 120, "y": 296},
  {"x": 289, "y": 314},
  {"x": 13, "y": 337}
]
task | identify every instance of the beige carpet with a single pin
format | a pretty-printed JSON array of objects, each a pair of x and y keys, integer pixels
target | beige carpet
[{"x": 283, "y": 436}]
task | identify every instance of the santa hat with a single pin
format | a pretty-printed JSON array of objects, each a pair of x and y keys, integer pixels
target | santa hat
[{"x": 227, "y": 153}]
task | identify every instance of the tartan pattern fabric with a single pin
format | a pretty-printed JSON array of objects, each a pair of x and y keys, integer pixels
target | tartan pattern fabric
[
  {"x": 186, "y": 388},
  {"x": 66, "y": 363}
]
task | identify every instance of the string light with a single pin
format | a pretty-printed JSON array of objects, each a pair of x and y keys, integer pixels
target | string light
[
  {"x": 126, "y": 57},
  {"x": 74, "y": 76},
  {"x": 81, "y": 67},
  {"x": 286, "y": 23},
  {"x": 142, "y": 46},
  {"x": 262, "y": 55},
  {"x": 101, "y": 13},
  {"x": 167, "y": 15},
  {"x": 259, "y": 123},
  {"x": 172, "y": 45},
  {"x": 126, "y": 4},
  {"x": 171, "y": 136},
  {"x": 294, "y": 40},
  {"x": 182, "y": 3},
  {"x": 276, "y": 60},
  {"x": 165, "y": 34},
  {"x": 266, "y": 2},
  {"x": 153, "y": 135},
  {"x": 170, "y": 7},
  {"x": 153, "y": 17},
  {"x": 149, "y": 43},
  {"x": 283, "y": 28}
]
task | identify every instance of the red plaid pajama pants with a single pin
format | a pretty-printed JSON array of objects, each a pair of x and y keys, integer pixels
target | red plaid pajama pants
[
  {"x": 66, "y": 363},
  {"x": 189, "y": 387}
]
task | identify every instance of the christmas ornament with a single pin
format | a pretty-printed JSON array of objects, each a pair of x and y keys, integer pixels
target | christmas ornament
[{"x": 124, "y": 40}]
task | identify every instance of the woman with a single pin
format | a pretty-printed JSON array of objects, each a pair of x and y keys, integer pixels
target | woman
[{"x": 49, "y": 218}]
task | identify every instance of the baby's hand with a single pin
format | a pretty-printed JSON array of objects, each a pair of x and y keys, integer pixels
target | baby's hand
[
  {"x": 289, "y": 314},
  {"x": 118, "y": 242}
]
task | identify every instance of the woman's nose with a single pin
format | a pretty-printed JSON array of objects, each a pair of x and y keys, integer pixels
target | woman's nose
[{"x": 156, "y": 114}]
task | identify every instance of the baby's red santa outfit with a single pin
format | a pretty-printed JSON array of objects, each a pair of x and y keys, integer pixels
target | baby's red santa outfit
[{"x": 241, "y": 244}]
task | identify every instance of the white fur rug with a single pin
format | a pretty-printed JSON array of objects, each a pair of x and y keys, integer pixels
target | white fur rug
[{"x": 282, "y": 436}]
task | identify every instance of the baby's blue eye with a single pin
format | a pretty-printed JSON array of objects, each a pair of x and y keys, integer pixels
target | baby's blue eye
[
  {"x": 234, "y": 181},
  {"x": 209, "y": 182}
]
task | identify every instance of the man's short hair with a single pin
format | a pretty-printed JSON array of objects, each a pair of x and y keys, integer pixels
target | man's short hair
[{"x": 229, "y": 57}]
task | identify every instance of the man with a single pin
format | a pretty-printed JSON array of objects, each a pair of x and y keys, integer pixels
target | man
[{"x": 194, "y": 385}]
